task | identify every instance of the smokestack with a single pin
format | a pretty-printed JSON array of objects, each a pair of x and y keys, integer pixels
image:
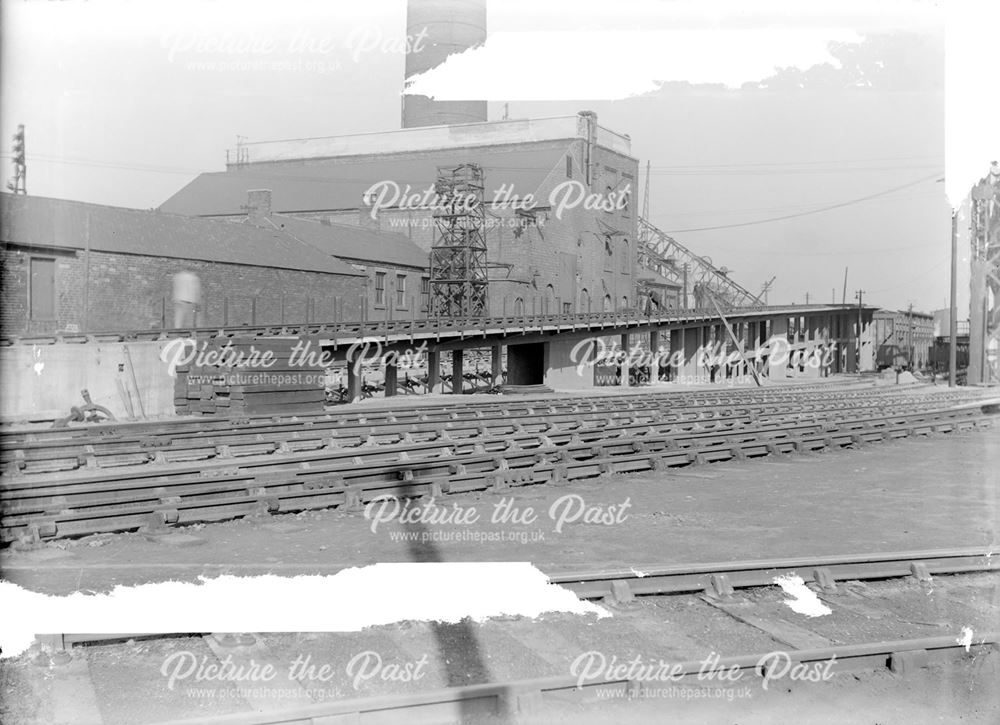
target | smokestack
[{"x": 444, "y": 27}]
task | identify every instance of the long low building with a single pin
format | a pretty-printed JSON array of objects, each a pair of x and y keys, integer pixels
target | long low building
[{"x": 70, "y": 266}]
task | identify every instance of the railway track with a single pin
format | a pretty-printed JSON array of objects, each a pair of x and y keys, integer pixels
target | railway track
[
  {"x": 351, "y": 462},
  {"x": 914, "y": 576}
]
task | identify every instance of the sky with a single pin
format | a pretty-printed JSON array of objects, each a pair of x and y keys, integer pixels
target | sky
[{"x": 125, "y": 102}]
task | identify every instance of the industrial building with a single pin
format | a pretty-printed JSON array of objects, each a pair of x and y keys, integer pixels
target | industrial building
[
  {"x": 552, "y": 252},
  {"x": 903, "y": 338}
]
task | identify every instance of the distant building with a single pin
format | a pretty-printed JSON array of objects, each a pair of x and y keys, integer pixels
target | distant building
[
  {"x": 574, "y": 249},
  {"x": 397, "y": 281},
  {"x": 900, "y": 334},
  {"x": 69, "y": 266}
]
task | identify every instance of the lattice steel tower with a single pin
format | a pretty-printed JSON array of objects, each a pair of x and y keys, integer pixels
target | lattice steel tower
[
  {"x": 458, "y": 257},
  {"x": 984, "y": 307}
]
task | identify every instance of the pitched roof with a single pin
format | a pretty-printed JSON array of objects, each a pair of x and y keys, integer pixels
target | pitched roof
[
  {"x": 354, "y": 243},
  {"x": 44, "y": 222},
  {"x": 339, "y": 183}
]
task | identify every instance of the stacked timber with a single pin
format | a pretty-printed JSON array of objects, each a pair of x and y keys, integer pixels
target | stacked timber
[{"x": 250, "y": 376}]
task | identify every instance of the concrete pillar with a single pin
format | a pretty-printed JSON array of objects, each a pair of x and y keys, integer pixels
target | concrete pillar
[
  {"x": 690, "y": 371},
  {"x": 625, "y": 360},
  {"x": 778, "y": 353},
  {"x": 676, "y": 360},
  {"x": 434, "y": 371},
  {"x": 391, "y": 373},
  {"x": 457, "y": 365},
  {"x": 353, "y": 382},
  {"x": 496, "y": 364}
]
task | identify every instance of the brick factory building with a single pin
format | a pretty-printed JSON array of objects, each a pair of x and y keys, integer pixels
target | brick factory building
[
  {"x": 897, "y": 332},
  {"x": 68, "y": 266},
  {"x": 572, "y": 249},
  {"x": 397, "y": 282}
]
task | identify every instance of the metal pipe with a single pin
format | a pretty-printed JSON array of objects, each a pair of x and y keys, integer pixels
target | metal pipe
[{"x": 953, "y": 312}]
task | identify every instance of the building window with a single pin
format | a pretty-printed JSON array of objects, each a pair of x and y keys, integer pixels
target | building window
[
  {"x": 567, "y": 307},
  {"x": 584, "y": 300},
  {"x": 519, "y": 307},
  {"x": 607, "y": 303},
  {"x": 626, "y": 261},
  {"x": 425, "y": 292},
  {"x": 569, "y": 166},
  {"x": 380, "y": 288},
  {"x": 42, "y": 289},
  {"x": 400, "y": 290}
]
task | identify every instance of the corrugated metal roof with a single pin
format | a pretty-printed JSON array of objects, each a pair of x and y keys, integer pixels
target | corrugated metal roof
[
  {"x": 354, "y": 243},
  {"x": 339, "y": 183},
  {"x": 45, "y": 222}
]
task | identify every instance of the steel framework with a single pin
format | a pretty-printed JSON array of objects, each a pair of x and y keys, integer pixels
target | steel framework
[
  {"x": 667, "y": 257},
  {"x": 984, "y": 305},
  {"x": 459, "y": 281}
]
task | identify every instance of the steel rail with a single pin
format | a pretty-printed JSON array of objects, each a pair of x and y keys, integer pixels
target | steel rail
[
  {"x": 687, "y": 398},
  {"x": 364, "y": 448},
  {"x": 527, "y": 695},
  {"x": 721, "y": 578},
  {"x": 237, "y": 493},
  {"x": 102, "y": 452}
]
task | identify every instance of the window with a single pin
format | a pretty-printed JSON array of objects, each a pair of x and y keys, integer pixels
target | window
[
  {"x": 425, "y": 292},
  {"x": 380, "y": 288},
  {"x": 607, "y": 303},
  {"x": 42, "y": 289},
  {"x": 519, "y": 306},
  {"x": 550, "y": 300},
  {"x": 400, "y": 290},
  {"x": 567, "y": 307},
  {"x": 626, "y": 258},
  {"x": 569, "y": 166},
  {"x": 584, "y": 300}
]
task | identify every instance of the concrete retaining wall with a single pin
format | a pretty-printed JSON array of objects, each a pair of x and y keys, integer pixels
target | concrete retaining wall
[{"x": 44, "y": 381}]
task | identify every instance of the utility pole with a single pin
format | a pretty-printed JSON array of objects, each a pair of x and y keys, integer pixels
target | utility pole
[
  {"x": 953, "y": 312},
  {"x": 909, "y": 319},
  {"x": 685, "y": 269},
  {"x": 807, "y": 298},
  {"x": 859, "y": 294},
  {"x": 843, "y": 298}
]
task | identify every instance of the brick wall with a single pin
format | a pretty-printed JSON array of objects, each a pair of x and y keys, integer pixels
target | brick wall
[
  {"x": 568, "y": 253},
  {"x": 130, "y": 291}
]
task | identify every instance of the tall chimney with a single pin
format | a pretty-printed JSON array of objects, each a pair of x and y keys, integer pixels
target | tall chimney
[
  {"x": 259, "y": 206},
  {"x": 436, "y": 29}
]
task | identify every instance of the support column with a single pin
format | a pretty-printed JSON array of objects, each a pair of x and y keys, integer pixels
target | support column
[
  {"x": 625, "y": 360},
  {"x": 690, "y": 371},
  {"x": 676, "y": 353},
  {"x": 778, "y": 353},
  {"x": 434, "y": 371},
  {"x": 391, "y": 374},
  {"x": 654, "y": 355},
  {"x": 457, "y": 365},
  {"x": 496, "y": 364},
  {"x": 353, "y": 382}
]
